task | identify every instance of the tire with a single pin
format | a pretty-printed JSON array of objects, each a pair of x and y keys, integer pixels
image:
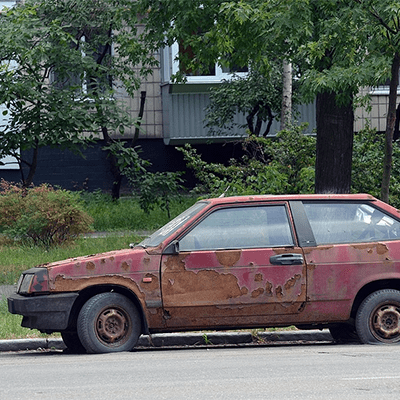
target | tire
[
  {"x": 73, "y": 343},
  {"x": 344, "y": 333},
  {"x": 378, "y": 318},
  {"x": 109, "y": 322}
]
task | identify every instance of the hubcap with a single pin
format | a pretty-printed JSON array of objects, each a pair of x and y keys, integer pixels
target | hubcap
[
  {"x": 385, "y": 323},
  {"x": 113, "y": 326}
]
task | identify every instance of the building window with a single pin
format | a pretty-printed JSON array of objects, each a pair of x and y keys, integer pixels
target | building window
[{"x": 213, "y": 73}]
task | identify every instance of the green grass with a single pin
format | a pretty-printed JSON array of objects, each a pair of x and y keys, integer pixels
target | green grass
[
  {"x": 10, "y": 325},
  {"x": 15, "y": 259},
  {"x": 126, "y": 214}
]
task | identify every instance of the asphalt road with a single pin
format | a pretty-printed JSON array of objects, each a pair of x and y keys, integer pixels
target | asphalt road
[{"x": 313, "y": 371}]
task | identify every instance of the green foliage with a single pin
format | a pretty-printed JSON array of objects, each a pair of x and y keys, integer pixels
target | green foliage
[
  {"x": 258, "y": 96},
  {"x": 271, "y": 166},
  {"x": 158, "y": 189},
  {"x": 41, "y": 216},
  {"x": 126, "y": 214},
  {"x": 58, "y": 78},
  {"x": 155, "y": 189},
  {"x": 368, "y": 151}
]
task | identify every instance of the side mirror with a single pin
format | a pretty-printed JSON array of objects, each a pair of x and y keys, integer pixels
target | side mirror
[{"x": 172, "y": 248}]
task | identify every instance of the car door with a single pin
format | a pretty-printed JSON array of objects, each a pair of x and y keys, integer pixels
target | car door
[
  {"x": 238, "y": 266},
  {"x": 352, "y": 244}
]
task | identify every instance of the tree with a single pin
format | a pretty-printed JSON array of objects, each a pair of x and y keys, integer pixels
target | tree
[
  {"x": 332, "y": 47},
  {"x": 256, "y": 95},
  {"x": 384, "y": 41},
  {"x": 62, "y": 63},
  {"x": 300, "y": 32}
]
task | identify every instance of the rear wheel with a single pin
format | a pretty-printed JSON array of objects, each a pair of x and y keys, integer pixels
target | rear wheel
[
  {"x": 109, "y": 322},
  {"x": 378, "y": 318}
]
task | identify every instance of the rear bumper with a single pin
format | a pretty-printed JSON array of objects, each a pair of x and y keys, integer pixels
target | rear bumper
[{"x": 48, "y": 313}]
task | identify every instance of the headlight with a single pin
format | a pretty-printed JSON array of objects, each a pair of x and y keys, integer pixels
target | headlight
[{"x": 33, "y": 280}]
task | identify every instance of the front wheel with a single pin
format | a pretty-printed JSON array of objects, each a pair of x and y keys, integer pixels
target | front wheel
[
  {"x": 109, "y": 322},
  {"x": 378, "y": 318}
]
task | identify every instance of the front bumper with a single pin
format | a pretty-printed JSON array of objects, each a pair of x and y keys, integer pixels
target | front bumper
[{"x": 48, "y": 313}]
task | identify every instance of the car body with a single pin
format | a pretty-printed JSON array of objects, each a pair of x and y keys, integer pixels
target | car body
[{"x": 313, "y": 261}]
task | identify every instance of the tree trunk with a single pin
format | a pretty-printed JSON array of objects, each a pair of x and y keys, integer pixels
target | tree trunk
[
  {"x": 32, "y": 167},
  {"x": 114, "y": 168},
  {"x": 334, "y": 145},
  {"x": 286, "y": 113},
  {"x": 390, "y": 125}
]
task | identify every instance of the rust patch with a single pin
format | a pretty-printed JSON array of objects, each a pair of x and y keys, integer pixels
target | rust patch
[
  {"x": 258, "y": 278},
  {"x": 228, "y": 258},
  {"x": 381, "y": 248},
  {"x": 90, "y": 266},
  {"x": 103, "y": 261},
  {"x": 311, "y": 267},
  {"x": 292, "y": 281},
  {"x": 125, "y": 266},
  {"x": 150, "y": 283},
  {"x": 244, "y": 291},
  {"x": 268, "y": 289},
  {"x": 206, "y": 286},
  {"x": 279, "y": 292},
  {"x": 257, "y": 292}
]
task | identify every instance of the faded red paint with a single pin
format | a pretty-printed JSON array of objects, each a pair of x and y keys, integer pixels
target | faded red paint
[{"x": 234, "y": 288}]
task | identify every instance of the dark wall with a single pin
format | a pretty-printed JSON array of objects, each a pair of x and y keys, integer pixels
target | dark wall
[{"x": 73, "y": 172}]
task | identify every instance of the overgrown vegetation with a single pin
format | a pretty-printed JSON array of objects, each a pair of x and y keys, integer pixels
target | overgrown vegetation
[
  {"x": 42, "y": 215},
  {"x": 284, "y": 164},
  {"x": 368, "y": 151},
  {"x": 126, "y": 214}
]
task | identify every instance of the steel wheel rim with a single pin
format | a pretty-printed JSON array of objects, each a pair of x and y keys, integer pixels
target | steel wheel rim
[
  {"x": 113, "y": 326},
  {"x": 385, "y": 322}
]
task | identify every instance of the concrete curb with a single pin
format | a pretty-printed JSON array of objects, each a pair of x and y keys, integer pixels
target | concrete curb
[{"x": 166, "y": 340}]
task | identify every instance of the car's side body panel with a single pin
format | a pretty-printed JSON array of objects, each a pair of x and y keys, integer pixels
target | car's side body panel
[{"x": 232, "y": 288}]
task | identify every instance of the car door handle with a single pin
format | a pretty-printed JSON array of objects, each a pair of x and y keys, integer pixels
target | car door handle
[{"x": 287, "y": 259}]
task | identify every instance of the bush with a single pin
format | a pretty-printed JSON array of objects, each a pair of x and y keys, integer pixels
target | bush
[
  {"x": 284, "y": 164},
  {"x": 42, "y": 215},
  {"x": 368, "y": 154}
]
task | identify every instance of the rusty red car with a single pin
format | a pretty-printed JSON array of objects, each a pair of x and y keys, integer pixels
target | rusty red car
[{"x": 313, "y": 261}]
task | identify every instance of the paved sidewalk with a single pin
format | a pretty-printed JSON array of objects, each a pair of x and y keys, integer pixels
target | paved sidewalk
[{"x": 171, "y": 340}]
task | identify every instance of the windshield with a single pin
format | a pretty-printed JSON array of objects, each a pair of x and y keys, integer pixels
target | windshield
[{"x": 157, "y": 237}]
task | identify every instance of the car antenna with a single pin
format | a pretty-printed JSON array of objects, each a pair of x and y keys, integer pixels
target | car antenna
[{"x": 223, "y": 194}]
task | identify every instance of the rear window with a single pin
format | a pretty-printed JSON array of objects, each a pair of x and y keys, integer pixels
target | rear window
[{"x": 339, "y": 222}]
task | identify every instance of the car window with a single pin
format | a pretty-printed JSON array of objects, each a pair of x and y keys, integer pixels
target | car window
[
  {"x": 240, "y": 227},
  {"x": 350, "y": 222},
  {"x": 172, "y": 226}
]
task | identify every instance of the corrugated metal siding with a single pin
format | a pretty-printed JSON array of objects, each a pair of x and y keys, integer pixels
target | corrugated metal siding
[{"x": 184, "y": 119}]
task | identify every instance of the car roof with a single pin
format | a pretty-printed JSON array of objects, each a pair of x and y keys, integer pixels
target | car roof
[{"x": 290, "y": 197}]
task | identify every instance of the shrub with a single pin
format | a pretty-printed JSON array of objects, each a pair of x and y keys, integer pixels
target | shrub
[
  {"x": 284, "y": 164},
  {"x": 42, "y": 215}
]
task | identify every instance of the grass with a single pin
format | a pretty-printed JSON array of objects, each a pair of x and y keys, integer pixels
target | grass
[
  {"x": 15, "y": 259},
  {"x": 10, "y": 325},
  {"x": 124, "y": 216}
]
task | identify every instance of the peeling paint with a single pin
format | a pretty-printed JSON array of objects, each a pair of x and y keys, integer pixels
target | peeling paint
[{"x": 90, "y": 266}]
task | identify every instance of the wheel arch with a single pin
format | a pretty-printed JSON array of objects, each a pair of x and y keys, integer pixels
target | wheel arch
[
  {"x": 370, "y": 288},
  {"x": 88, "y": 292}
]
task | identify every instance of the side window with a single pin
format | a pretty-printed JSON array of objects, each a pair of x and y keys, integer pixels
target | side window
[
  {"x": 240, "y": 227},
  {"x": 334, "y": 223}
]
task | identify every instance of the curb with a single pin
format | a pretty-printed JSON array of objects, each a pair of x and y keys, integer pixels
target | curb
[{"x": 166, "y": 340}]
